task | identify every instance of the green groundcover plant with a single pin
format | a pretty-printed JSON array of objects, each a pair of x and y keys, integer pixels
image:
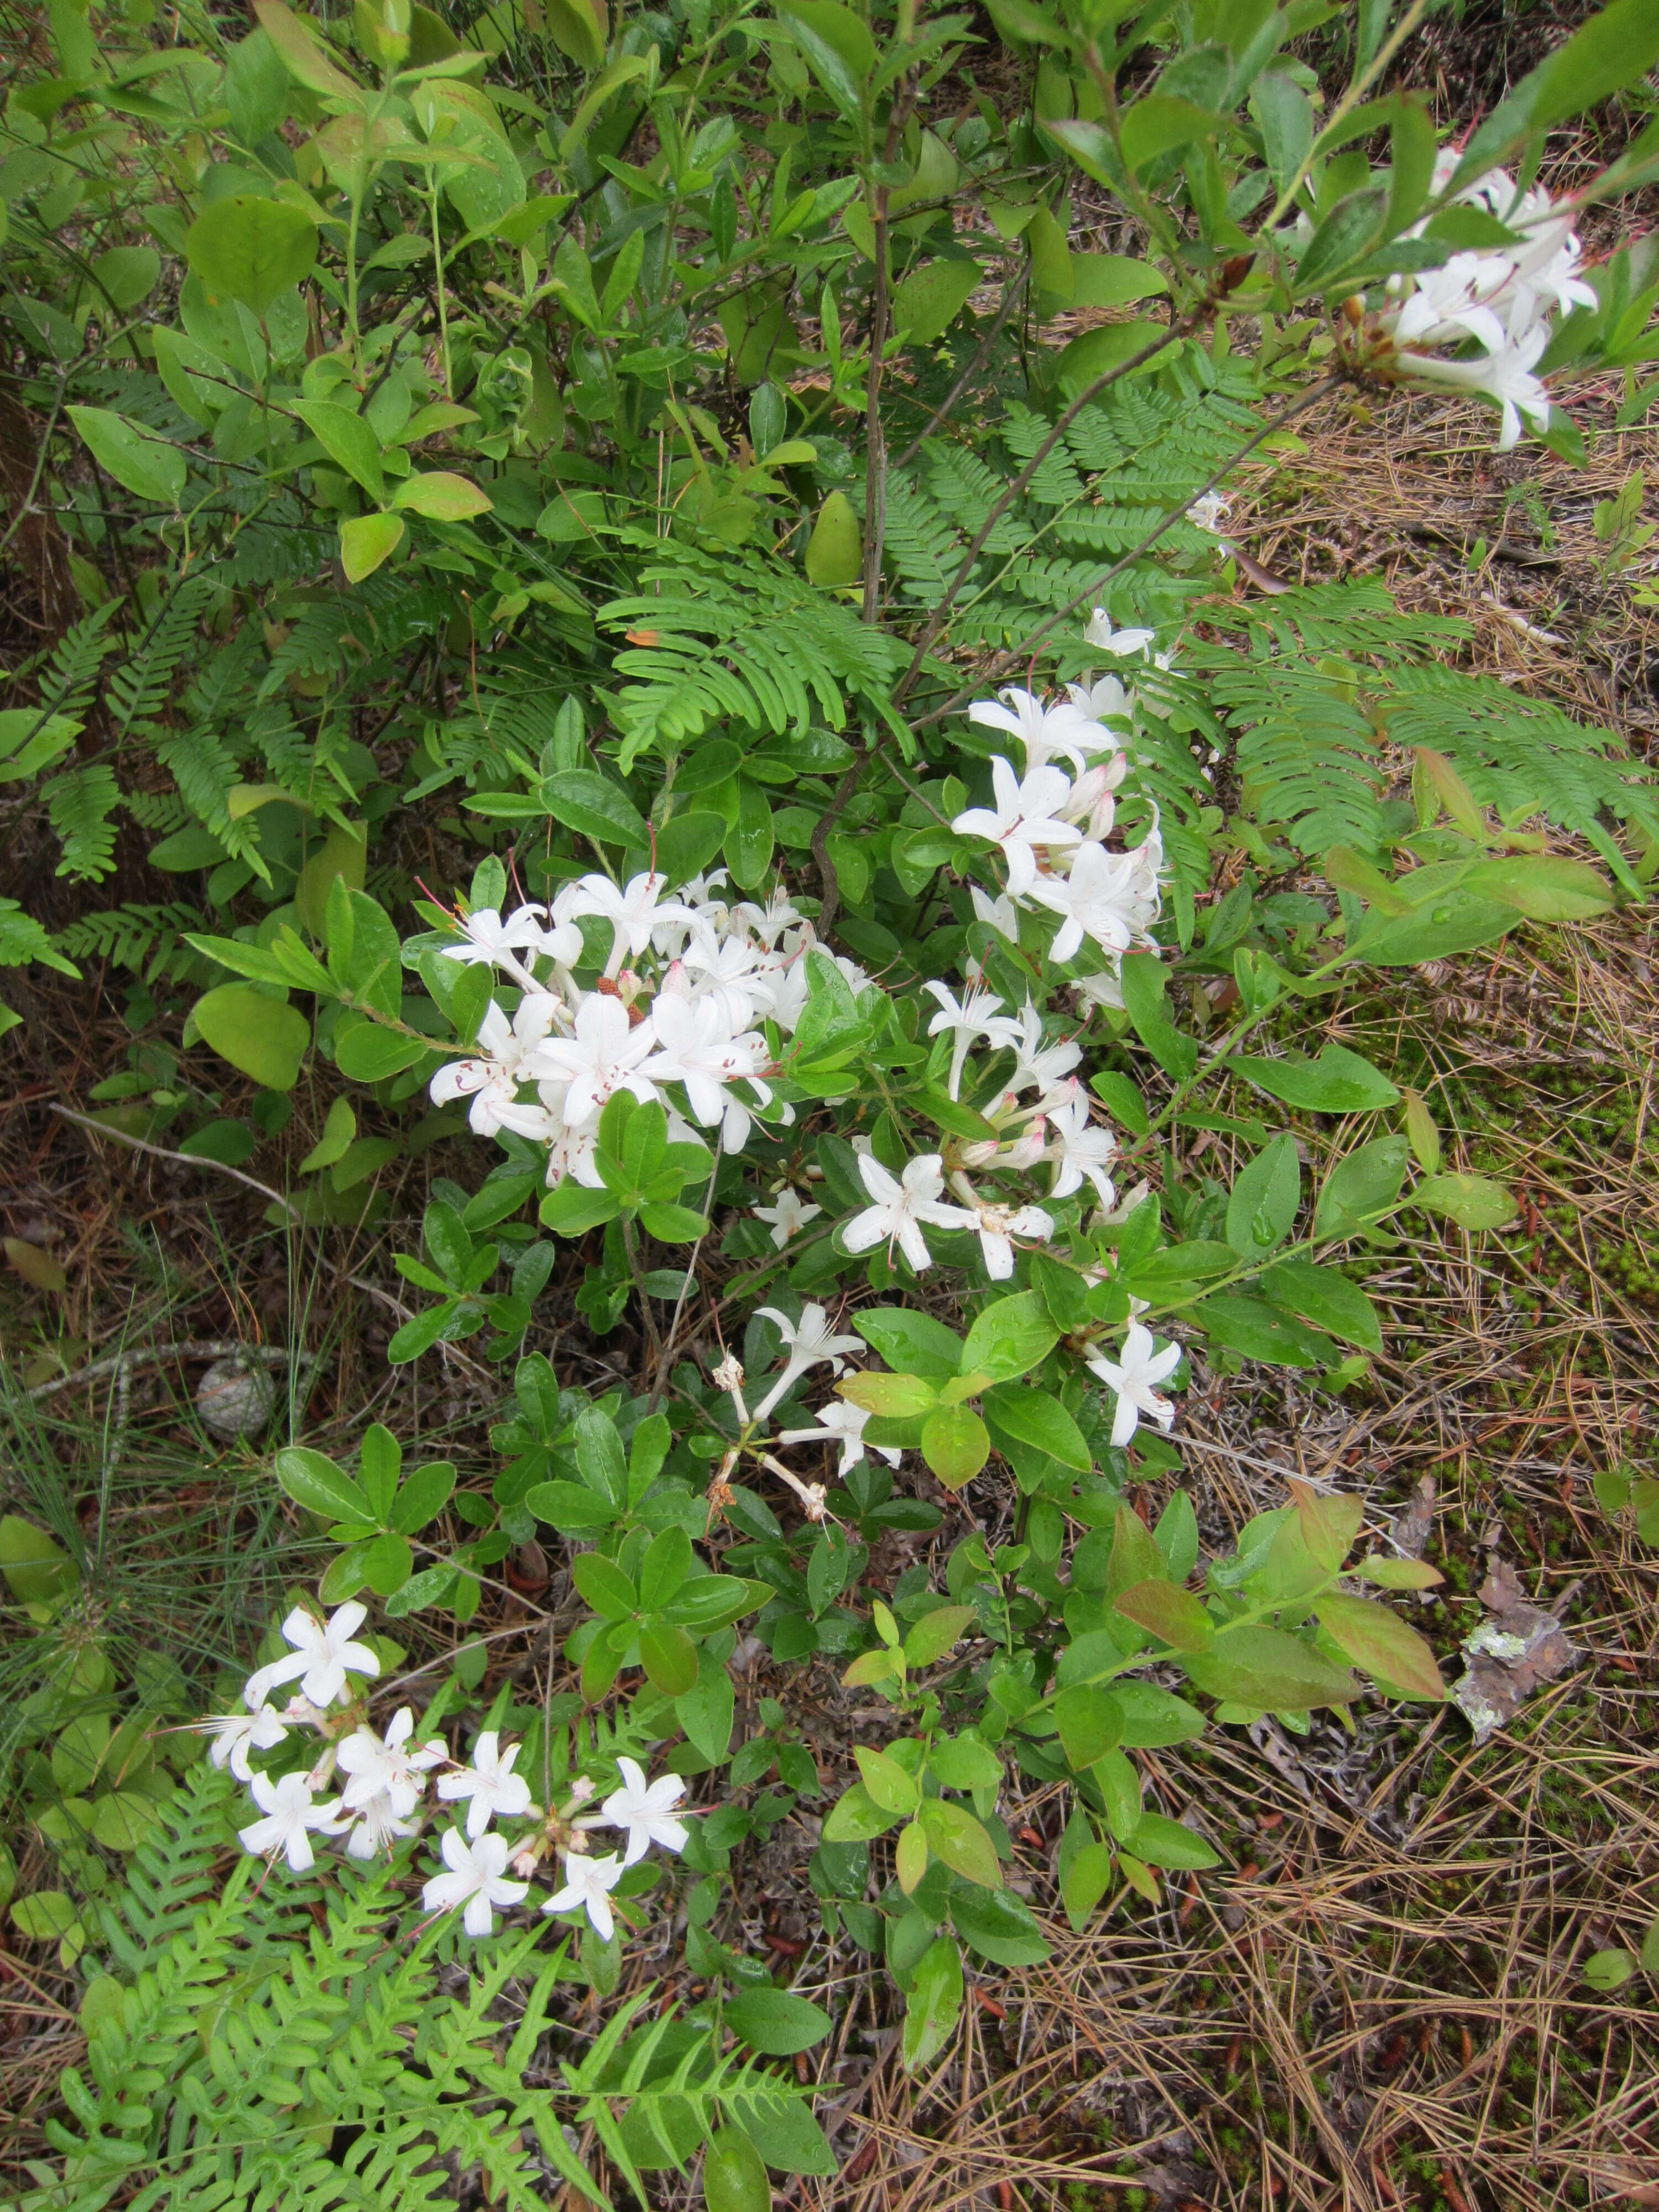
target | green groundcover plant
[{"x": 634, "y": 445}]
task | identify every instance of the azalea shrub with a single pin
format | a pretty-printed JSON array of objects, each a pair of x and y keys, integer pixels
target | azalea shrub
[{"x": 649, "y": 659}]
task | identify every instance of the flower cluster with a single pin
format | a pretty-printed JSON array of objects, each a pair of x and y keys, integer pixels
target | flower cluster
[
  {"x": 1501, "y": 298},
  {"x": 385, "y": 1781}
]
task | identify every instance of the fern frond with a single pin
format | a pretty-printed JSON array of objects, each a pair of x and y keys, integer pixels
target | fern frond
[{"x": 79, "y": 806}]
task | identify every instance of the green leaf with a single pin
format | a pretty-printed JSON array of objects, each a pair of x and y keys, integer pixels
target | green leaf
[
  {"x": 669, "y": 1657},
  {"x": 430, "y": 1586},
  {"x": 1264, "y": 1199},
  {"x": 366, "y": 541},
  {"x": 591, "y": 803},
  {"x": 140, "y": 465},
  {"x": 711, "y": 1602},
  {"x": 1325, "y": 1298},
  {"x": 43, "y": 1916},
  {"x": 369, "y": 1054},
  {"x": 835, "y": 551},
  {"x": 1144, "y": 979},
  {"x": 1033, "y": 1418},
  {"x": 1605, "y": 1970},
  {"x": 572, "y": 1209},
  {"x": 387, "y": 1563},
  {"x": 1091, "y": 1723},
  {"x": 1338, "y": 1082},
  {"x": 961, "y": 1841},
  {"x": 1010, "y": 1338},
  {"x": 999, "y": 1925},
  {"x": 750, "y": 840},
  {"x": 893, "y": 1790},
  {"x": 776, "y": 2021},
  {"x": 1543, "y": 887},
  {"x": 1382, "y": 1644},
  {"x": 441, "y": 497},
  {"x": 1471, "y": 1201},
  {"x": 1270, "y": 1669},
  {"x": 1114, "y": 280},
  {"x": 1284, "y": 114},
  {"x": 912, "y": 1343},
  {"x": 302, "y": 52},
  {"x": 124, "y": 1820},
  {"x": 934, "y": 2004},
  {"x": 604, "y": 1586},
  {"x": 348, "y": 440},
  {"x": 855, "y": 1817},
  {"x": 929, "y": 300},
  {"x": 423, "y": 1496},
  {"x": 894, "y": 1397},
  {"x": 1085, "y": 1881},
  {"x": 1362, "y": 1188},
  {"x": 263, "y": 1036},
  {"x": 937, "y": 1632},
  {"x": 570, "y": 1507},
  {"x": 1160, "y": 122},
  {"x": 246, "y": 248},
  {"x": 955, "y": 1445},
  {"x": 1163, "y": 1843},
  {"x": 1169, "y": 1612},
  {"x": 785, "y": 2133},
  {"x": 706, "y": 1710},
  {"x": 314, "y": 1482},
  {"x": 1345, "y": 236},
  {"x": 1256, "y": 1330},
  {"x": 1397, "y": 1574},
  {"x": 673, "y": 1224},
  {"x": 36, "y": 1568}
]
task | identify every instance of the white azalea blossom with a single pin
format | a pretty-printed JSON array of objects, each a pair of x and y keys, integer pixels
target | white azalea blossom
[
  {"x": 787, "y": 1215},
  {"x": 900, "y": 1205},
  {"x": 490, "y": 1782},
  {"x": 1063, "y": 729},
  {"x": 974, "y": 1015},
  {"x": 487, "y": 937},
  {"x": 1134, "y": 1376},
  {"x": 604, "y": 1055},
  {"x": 1099, "y": 898},
  {"x": 491, "y": 1078},
  {"x": 644, "y": 1808},
  {"x": 843, "y": 1423},
  {"x": 376, "y": 1825},
  {"x": 388, "y": 1766},
  {"x": 475, "y": 1880},
  {"x": 1122, "y": 644},
  {"x": 237, "y": 1734},
  {"x": 633, "y": 912},
  {"x": 1079, "y": 1149},
  {"x": 323, "y": 1656},
  {"x": 291, "y": 1818},
  {"x": 1026, "y": 819},
  {"x": 998, "y": 1225},
  {"x": 809, "y": 1343},
  {"x": 588, "y": 1883}
]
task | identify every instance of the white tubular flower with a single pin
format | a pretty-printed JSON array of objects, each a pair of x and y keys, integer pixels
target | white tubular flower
[
  {"x": 633, "y": 912},
  {"x": 1103, "y": 699},
  {"x": 378, "y": 1825},
  {"x": 999, "y": 1224},
  {"x": 491, "y": 1783},
  {"x": 604, "y": 1056},
  {"x": 728, "y": 971},
  {"x": 901, "y": 1206},
  {"x": 810, "y": 1343},
  {"x": 1119, "y": 643},
  {"x": 1133, "y": 1375},
  {"x": 1065, "y": 731},
  {"x": 474, "y": 1880},
  {"x": 388, "y": 1766},
  {"x": 491, "y": 1078},
  {"x": 787, "y": 1215},
  {"x": 1038, "y": 1065},
  {"x": 1208, "y": 512},
  {"x": 1101, "y": 898},
  {"x": 488, "y": 938},
  {"x": 1505, "y": 376},
  {"x": 237, "y": 1734},
  {"x": 696, "y": 1047},
  {"x": 1092, "y": 805},
  {"x": 1105, "y": 989},
  {"x": 768, "y": 923},
  {"x": 843, "y": 1423},
  {"x": 1000, "y": 914},
  {"x": 974, "y": 1015},
  {"x": 645, "y": 1809},
  {"x": 588, "y": 1883},
  {"x": 1026, "y": 817},
  {"x": 1080, "y": 1148},
  {"x": 291, "y": 1819},
  {"x": 323, "y": 1655}
]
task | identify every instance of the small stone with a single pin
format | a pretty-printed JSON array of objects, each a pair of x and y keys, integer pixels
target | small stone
[{"x": 235, "y": 1400}]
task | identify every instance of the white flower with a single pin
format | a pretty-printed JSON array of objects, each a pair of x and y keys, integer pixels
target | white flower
[
  {"x": 789, "y": 1215},
  {"x": 1037, "y": 1064},
  {"x": 488, "y": 938},
  {"x": 843, "y": 1423},
  {"x": 810, "y": 1343},
  {"x": 491, "y": 1784},
  {"x": 387, "y": 1767},
  {"x": 1026, "y": 816},
  {"x": 491, "y": 1079},
  {"x": 1119, "y": 643},
  {"x": 588, "y": 1883},
  {"x": 1000, "y": 914},
  {"x": 378, "y": 1825},
  {"x": 1066, "y": 730},
  {"x": 1102, "y": 699},
  {"x": 604, "y": 1056},
  {"x": 997, "y": 1224},
  {"x": 1208, "y": 512},
  {"x": 974, "y": 1015},
  {"x": 1105, "y": 989},
  {"x": 901, "y": 1208},
  {"x": 1505, "y": 376},
  {"x": 291, "y": 1819},
  {"x": 1133, "y": 1375},
  {"x": 235, "y": 1734},
  {"x": 633, "y": 914},
  {"x": 1099, "y": 898},
  {"x": 323, "y": 1656},
  {"x": 646, "y": 1810},
  {"x": 696, "y": 1048},
  {"x": 474, "y": 1879},
  {"x": 1078, "y": 1148}
]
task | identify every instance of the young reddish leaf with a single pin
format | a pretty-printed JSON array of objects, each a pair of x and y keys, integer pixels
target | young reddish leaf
[{"x": 1382, "y": 1644}]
